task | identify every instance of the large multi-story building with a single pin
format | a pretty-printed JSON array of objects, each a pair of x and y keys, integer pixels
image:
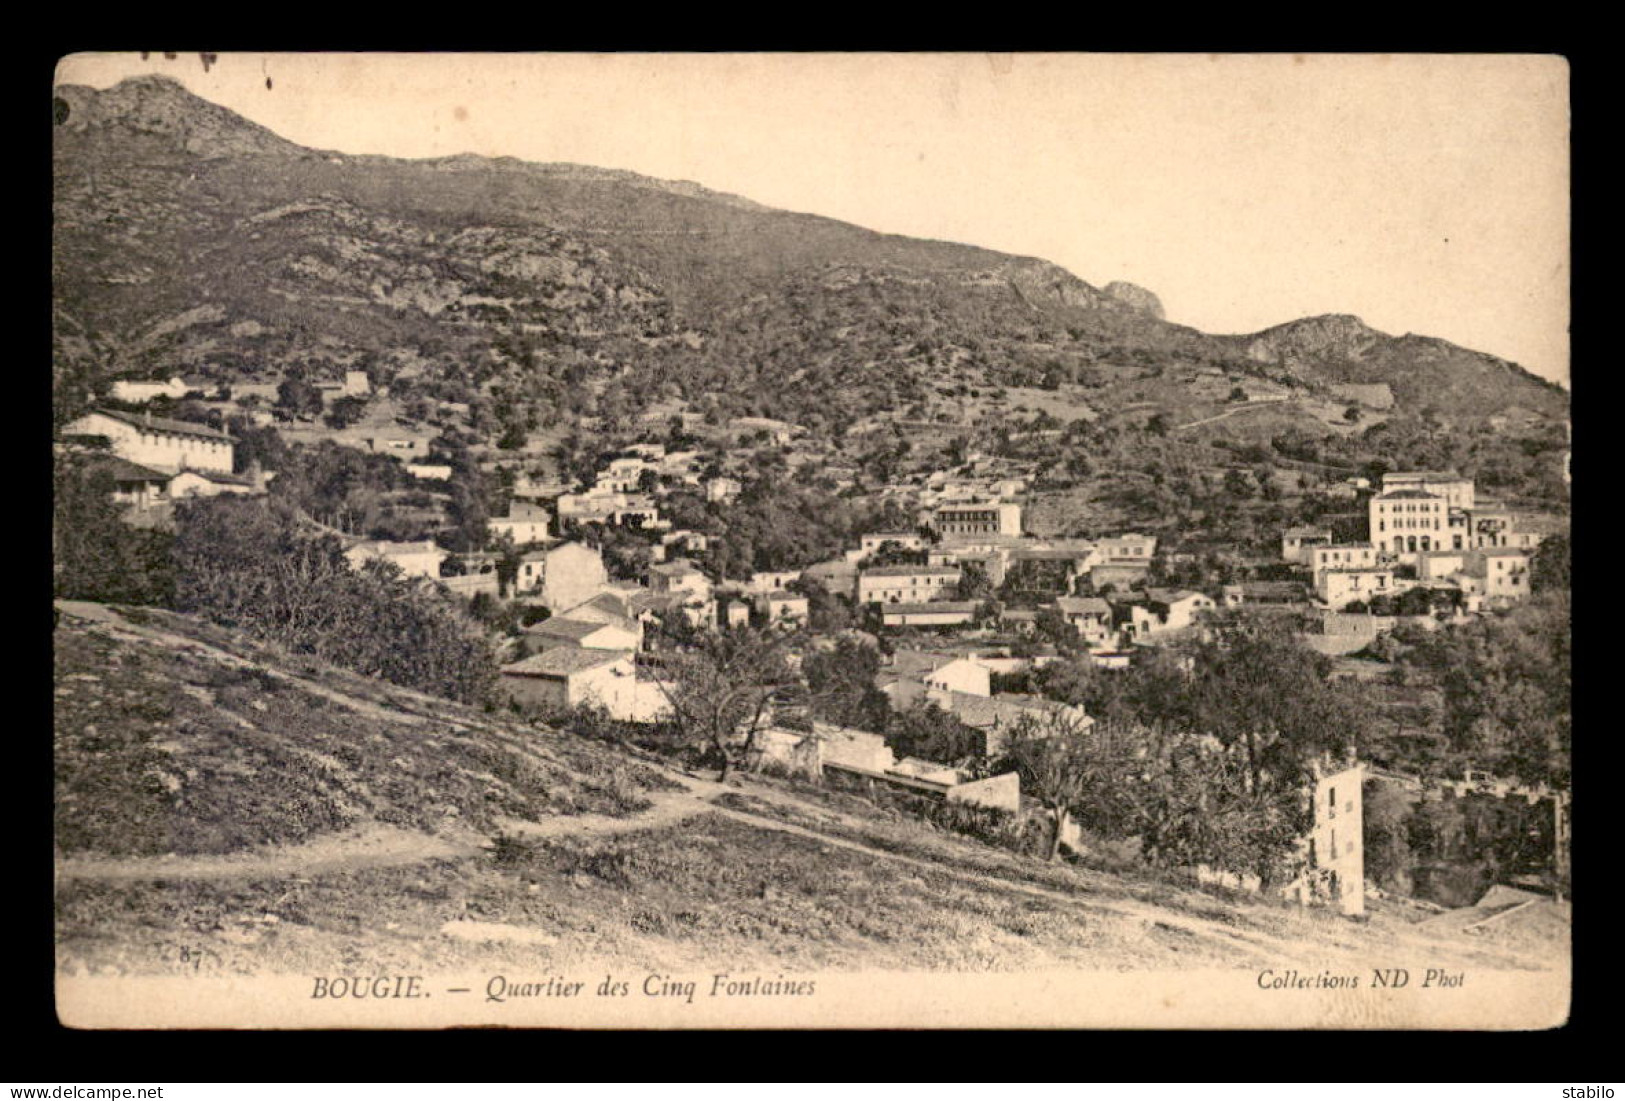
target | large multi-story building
[
  {"x": 1407, "y": 522},
  {"x": 157, "y": 442},
  {"x": 975, "y": 518},
  {"x": 905, "y": 584}
]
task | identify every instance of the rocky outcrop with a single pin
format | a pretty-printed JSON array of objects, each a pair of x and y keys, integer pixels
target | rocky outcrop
[
  {"x": 1137, "y": 297},
  {"x": 162, "y": 106},
  {"x": 1332, "y": 336}
]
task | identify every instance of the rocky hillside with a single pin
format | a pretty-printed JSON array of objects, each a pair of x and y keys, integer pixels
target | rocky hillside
[
  {"x": 189, "y": 239},
  {"x": 1420, "y": 370},
  {"x": 273, "y": 815}
]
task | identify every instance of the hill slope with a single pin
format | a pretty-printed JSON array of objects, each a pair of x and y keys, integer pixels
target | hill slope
[
  {"x": 190, "y": 239},
  {"x": 277, "y": 816}
]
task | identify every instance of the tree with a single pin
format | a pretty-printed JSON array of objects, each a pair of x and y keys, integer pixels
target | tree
[
  {"x": 1052, "y": 756},
  {"x": 1255, "y": 684},
  {"x": 96, "y": 555},
  {"x": 296, "y": 398},
  {"x": 1549, "y": 571},
  {"x": 841, "y": 686},
  {"x": 721, "y": 688},
  {"x": 254, "y": 568},
  {"x": 346, "y": 411},
  {"x": 926, "y": 731},
  {"x": 1388, "y": 857}
]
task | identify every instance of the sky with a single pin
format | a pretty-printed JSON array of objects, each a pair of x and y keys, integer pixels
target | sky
[{"x": 1423, "y": 193}]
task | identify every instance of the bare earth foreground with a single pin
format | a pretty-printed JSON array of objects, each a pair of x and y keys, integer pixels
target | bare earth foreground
[{"x": 225, "y": 810}]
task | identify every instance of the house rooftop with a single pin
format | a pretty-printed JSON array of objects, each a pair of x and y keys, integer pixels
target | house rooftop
[
  {"x": 682, "y": 567},
  {"x": 1408, "y": 495},
  {"x": 164, "y": 424},
  {"x": 1307, "y": 533},
  {"x": 1083, "y": 605},
  {"x": 123, "y": 470},
  {"x": 565, "y": 627},
  {"x": 907, "y": 571},
  {"x": 564, "y": 661},
  {"x": 1434, "y": 475},
  {"x": 385, "y": 547},
  {"x": 938, "y": 606},
  {"x": 1170, "y": 596}
]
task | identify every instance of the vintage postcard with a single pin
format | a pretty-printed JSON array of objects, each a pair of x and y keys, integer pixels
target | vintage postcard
[{"x": 808, "y": 541}]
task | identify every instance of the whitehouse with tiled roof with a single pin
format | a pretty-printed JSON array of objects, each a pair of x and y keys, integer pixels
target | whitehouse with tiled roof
[{"x": 158, "y": 442}]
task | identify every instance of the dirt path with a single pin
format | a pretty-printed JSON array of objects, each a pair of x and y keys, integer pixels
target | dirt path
[
  {"x": 376, "y": 847},
  {"x": 1246, "y": 408}
]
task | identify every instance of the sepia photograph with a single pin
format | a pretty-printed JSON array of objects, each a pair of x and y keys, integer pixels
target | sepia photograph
[{"x": 805, "y": 541}]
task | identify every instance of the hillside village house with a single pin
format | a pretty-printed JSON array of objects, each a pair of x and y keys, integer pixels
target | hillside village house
[
  {"x": 413, "y": 559},
  {"x": 1440, "y": 565},
  {"x": 1090, "y": 616},
  {"x": 1498, "y": 574},
  {"x": 1338, "y": 588},
  {"x": 157, "y": 442},
  {"x": 402, "y": 445},
  {"x": 525, "y": 523},
  {"x": 567, "y": 677},
  {"x": 1456, "y": 490},
  {"x": 1336, "y": 848},
  {"x": 985, "y": 518},
  {"x": 680, "y": 576},
  {"x": 137, "y": 391},
  {"x": 781, "y": 607},
  {"x": 732, "y": 610},
  {"x": 1128, "y": 547},
  {"x": 996, "y": 717},
  {"x": 1342, "y": 556},
  {"x": 871, "y": 544},
  {"x": 440, "y": 472},
  {"x": 939, "y": 613},
  {"x": 628, "y": 608},
  {"x": 722, "y": 489},
  {"x": 769, "y": 581},
  {"x": 905, "y": 584},
  {"x": 1296, "y": 543},
  {"x": 911, "y": 674},
  {"x": 561, "y": 576},
  {"x": 860, "y": 753},
  {"x": 134, "y": 485},
  {"x": 213, "y": 483},
  {"x": 582, "y": 633},
  {"x": 1162, "y": 611}
]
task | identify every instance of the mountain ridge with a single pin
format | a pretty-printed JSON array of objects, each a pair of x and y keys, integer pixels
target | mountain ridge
[{"x": 194, "y": 174}]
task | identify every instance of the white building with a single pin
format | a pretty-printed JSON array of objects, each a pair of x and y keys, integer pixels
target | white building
[
  {"x": 525, "y": 523},
  {"x": 1406, "y": 522},
  {"x": 157, "y": 442},
  {"x": 567, "y": 677},
  {"x": 562, "y": 576},
  {"x": 140, "y": 390},
  {"x": 1336, "y": 847},
  {"x": 1341, "y": 587},
  {"x": 975, "y": 518},
  {"x": 413, "y": 559},
  {"x": 905, "y": 584}
]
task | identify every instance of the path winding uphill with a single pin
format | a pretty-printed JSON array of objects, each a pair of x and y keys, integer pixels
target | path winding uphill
[{"x": 465, "y": 827}]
